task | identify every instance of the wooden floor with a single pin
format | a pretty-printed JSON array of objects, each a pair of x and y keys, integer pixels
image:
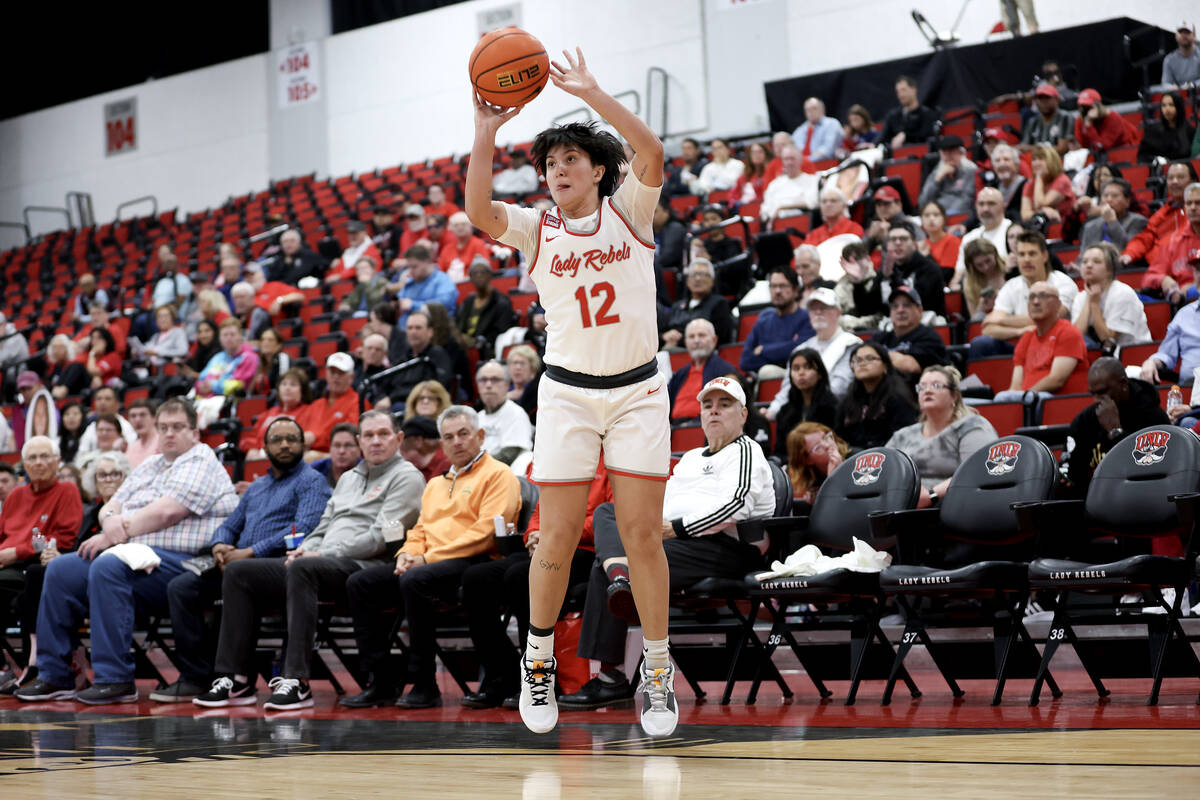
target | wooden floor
[{"x": 1073, "y": 747}]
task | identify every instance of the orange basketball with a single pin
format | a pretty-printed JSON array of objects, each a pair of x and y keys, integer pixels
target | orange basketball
[{"x": 509, "y": 67}]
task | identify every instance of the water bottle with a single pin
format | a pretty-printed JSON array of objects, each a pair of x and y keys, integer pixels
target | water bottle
[
  {"x": 1174, "y": 397},
  {"x": 39, "y": 541}
]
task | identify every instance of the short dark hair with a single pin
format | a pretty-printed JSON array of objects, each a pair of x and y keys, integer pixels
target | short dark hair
[
  {"x": 911, "y": 81},
  {"x": 602, "y": 149},
  {"x": 116, "y": 395},
  {"x": 1033, "y": 237},
  {"x": 904, "y": 225},
  {"x": 145, "y": 403},
  {"x": 419, "y": 252},
  {"x": 283, "y": 418},
  {"x": 1187, "y": 165},
  {"x": 9, "y": 468},
  {"x": 344, "y": 427},
  {"x": 109, "y": 341},
  {"x": 695, "y": 142},
  {"x": 111, "y": 419},
  {"x": 855, "y": 251},
  {"x": 298, "y": 374},
  {"x": 787, "y": 272},
  {"x": 177, "y": 405},
  {"x": 1125, "y": 186}
]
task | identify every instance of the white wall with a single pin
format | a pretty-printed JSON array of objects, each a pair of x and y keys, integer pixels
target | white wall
[
  {"x": 399, "y": 92},
  {"x": 202, "y": 136}
]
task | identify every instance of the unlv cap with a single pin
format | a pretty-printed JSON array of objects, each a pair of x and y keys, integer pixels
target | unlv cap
[{"x": 729, "y": 386}]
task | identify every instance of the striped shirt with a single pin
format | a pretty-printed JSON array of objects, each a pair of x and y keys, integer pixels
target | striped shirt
[
  {"x": 711, "y": 492},
  {"x": 273, "y": 506},
  {"x": 195, "y": 480}
]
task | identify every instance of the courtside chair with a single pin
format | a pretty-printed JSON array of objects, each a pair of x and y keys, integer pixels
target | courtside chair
[
  {"x": 969, "y": 548},
  {"x": 1145, "y": 488},
  {"x": 878, "y": 479}
]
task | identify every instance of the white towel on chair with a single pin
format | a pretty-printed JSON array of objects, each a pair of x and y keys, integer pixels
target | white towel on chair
[
  {"x": 809, "y": 560},
  {"x": 136, "y": 556}
]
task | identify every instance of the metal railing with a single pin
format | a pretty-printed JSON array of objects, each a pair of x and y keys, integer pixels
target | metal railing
[
  {"x": 43, "y": 210},
  {"x": 137, "y": 200},
  {"x": 21, "y": 226},
  {"x": 665, "y": 131},
  {"x": 81, "y": 203}
]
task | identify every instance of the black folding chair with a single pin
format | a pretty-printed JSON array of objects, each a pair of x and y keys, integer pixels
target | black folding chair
[
  {"x": 969, "y": 549},
  {"x": 1145, "y": 487},
  {"x": 879, "y": 479}
]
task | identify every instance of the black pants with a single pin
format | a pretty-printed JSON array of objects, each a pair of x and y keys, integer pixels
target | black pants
[
  {"x": 16, "y": 584},
  {"x": 689, "y": 561},
  {"x": 254, "y": 586},
  {"x": 504, "y": 584},
  {"x": 377, "y": 596},
  {"x": 189, "y": 597}
]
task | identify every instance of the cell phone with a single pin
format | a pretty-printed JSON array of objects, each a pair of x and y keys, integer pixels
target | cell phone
[{"x": 988, "y": 292}]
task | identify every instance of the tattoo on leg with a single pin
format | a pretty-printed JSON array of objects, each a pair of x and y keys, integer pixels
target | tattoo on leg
[{"x": 548, "y": 565}]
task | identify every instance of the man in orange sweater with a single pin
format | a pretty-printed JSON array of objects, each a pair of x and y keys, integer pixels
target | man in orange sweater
[{"x": 456, "y": 530}]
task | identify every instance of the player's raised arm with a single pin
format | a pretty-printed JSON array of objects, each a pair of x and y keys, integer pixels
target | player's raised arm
[
  {"x": 648, "y": 150},
  {"x": 486, "y": 214}
]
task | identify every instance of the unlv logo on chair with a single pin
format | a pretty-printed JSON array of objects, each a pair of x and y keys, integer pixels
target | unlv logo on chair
[
  {"x": 1150, "y": 447},
  {"x": 867, "y": 468},
  {"x": 1002, "y": 458}
]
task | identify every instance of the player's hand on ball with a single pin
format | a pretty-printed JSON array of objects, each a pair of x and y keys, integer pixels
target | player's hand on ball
[
  {"x": 489, "y": 116},
  {"x": 576, "y": 79}
]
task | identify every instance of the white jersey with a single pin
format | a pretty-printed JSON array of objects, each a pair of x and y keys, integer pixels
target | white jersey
[{"x": 597, "y": 286}]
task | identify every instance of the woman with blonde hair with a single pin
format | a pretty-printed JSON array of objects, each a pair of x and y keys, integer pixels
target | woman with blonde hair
[
  {"x": 1050, "y": 192},
  {"x": 814, "y": 451},
  {"x": 945, "y": 434},
  {"x": 60, "y": 352},
  {"x": 427, "y": 399},
  {"x": 984, "y": 269},
  {"x": 525, "y": 371}
]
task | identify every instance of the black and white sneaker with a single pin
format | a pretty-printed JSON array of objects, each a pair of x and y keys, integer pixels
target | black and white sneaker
[
  {"x": 41, "y": 690},
  {"x": 288, "y": 694},
  {"x": 539, "y": 709},
  {"x": 226, "y": 692},
  {"x": 656, "y": 696}
]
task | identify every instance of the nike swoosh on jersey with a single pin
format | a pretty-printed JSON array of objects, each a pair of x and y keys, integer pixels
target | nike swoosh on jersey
[
  {"x": 551, "y": 239},
  {"x": 652, "y": 391}
]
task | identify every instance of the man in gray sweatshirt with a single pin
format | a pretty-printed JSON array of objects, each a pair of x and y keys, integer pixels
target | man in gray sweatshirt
[{"x": 375, "y": 502}]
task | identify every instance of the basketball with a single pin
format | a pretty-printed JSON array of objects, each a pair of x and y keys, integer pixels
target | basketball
[{"x": 508, "y": 67}]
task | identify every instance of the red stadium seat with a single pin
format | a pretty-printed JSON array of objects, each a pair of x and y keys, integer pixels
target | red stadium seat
[
  {"x": 1060, "y": 410},
  {"x": 684, "y": 439},
  {"x": 768, "y": 389},
  {"x": 1135, "y": 355},
  {"x": 255, "y": 469},
  {"x": 1005, "y": 417},
  {"x": 996, "y": 371},
  {"x": 745, "y": 323},
  {"x": 250, "y": 407},
  {"x": 1158, "y": 316}
]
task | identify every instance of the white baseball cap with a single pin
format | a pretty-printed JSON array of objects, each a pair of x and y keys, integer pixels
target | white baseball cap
[
  {"x": 825, "y": 296},
  {"x": 729, "y": 386},
  {"x": 341, "y": 361}
]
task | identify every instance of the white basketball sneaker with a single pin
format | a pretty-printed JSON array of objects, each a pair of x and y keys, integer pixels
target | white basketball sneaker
[
  {"x": 539, "y": 708},
  {"x": 656, "y": 696}
]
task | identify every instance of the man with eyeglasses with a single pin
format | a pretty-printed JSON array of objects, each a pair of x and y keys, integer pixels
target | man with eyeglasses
[
  {"x": 505, "y": 424},
  {"x": 911, "y": 346},
  {"x": 1048, "y": 355},
  {"x": 291, "y": 496},
  {"x": 172, "y": 503},
  {"x": 374, "y": 503},
  {"x": 903, "y": 265},
  {"x": 44, "y": 507}
]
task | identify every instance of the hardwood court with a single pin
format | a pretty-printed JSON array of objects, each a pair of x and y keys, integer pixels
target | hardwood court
[{"x": 1072, "y": 747}]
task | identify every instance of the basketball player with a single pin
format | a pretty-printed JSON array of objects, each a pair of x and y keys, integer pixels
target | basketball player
[{"x": 592, "y": 259}]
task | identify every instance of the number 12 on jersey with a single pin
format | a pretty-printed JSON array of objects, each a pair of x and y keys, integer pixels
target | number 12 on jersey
[{"x": 602, "y": 316}]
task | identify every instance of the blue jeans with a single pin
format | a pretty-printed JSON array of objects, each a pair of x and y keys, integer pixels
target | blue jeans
[
  {"x": 984, "y": 346},
  {"x": 109, "y": 594}
]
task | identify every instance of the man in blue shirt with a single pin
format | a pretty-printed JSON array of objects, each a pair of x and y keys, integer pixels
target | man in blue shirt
[
  {"x": 290, "y": 497},
  {"x": 818, "y": 138},
  {"x": 1181, "y": 345},
  {"x": 424, "y": 283},
  {"x": 778, "y": 329}
]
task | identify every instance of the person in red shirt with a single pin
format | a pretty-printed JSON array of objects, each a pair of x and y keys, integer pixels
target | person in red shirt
[
  {"x": 51, "y": 508},
  {"x": 1097, "y": 128},
  {"x": 295, "y": 400},
  {"x": 506, "y": 581},
  {"x": 423, "y": 447},
  {"x": 340, "y": 404},
  {"x": 455, "y": 257},
  {"x": 833, "y": 212},
  {"x": 437, "y": 202},
  {"x": 1049, "y": 192},
  {"x": 101, "y": 318},
  {"x": 700, "y": 338},
  {"x": 342, "y": 269},
  {"x": 271, "y": 296},
  {"x": 779, "y": 140},
  {"x": 437, "y": 233},
  {"x": 1163, "y": 223},
  {"x": 101, "y": 359},
  {"x": 1172, "y": 269},
  {"x": 939, "y": 245},
  {"x": 1050, "y": 355}
]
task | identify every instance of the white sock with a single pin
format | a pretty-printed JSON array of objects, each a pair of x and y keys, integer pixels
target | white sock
[
  {"x": 656, "y": 653},
  {"x": 539, "y": 648}
]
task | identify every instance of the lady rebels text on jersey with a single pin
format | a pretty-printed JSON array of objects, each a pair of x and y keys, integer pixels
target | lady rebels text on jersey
[{"x": 597, "y": 287}]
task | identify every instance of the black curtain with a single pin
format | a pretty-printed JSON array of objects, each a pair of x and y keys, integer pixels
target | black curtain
[{"x": 351, "y": 14}]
